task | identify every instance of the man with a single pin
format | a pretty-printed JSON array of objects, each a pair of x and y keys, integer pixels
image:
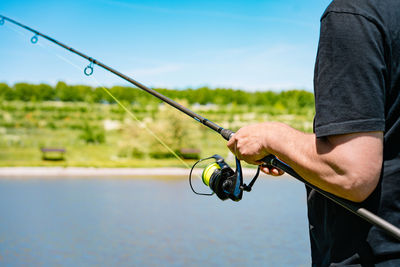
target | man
[{"x": 354, "y": 151}]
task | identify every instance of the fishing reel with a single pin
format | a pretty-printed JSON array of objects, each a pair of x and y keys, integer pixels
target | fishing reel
[{"x": 223, "y": 180}]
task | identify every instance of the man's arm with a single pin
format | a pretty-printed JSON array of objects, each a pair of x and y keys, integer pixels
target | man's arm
[{"x": 346, "y": 165}]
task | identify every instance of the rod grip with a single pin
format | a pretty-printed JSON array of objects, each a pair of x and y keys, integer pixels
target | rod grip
[
  {"x": 350, "y": 206},
  {"x": 226, "y": 134}
]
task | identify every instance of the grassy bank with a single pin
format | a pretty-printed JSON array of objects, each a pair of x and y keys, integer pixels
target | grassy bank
[{"x": 104, "y": 135}]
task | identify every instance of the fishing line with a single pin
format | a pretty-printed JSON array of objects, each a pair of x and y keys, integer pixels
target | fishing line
[
  {"x": 107, "y": 91},
  {"x": 130, "y": 113}
]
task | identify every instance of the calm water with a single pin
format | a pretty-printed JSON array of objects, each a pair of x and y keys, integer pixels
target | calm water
[{"x": 145, "y": 222}]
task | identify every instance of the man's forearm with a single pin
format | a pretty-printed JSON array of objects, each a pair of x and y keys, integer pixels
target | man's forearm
[{"x": 348, "y": 165}]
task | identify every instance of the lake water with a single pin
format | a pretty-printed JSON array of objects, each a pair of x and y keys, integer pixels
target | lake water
[{"x": 149, "y": 222}]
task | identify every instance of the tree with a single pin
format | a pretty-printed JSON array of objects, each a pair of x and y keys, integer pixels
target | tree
[
  {"x": 172, "y": 126},
  {"x": 24, "y": 92},
  {"x": 6, "y": 92},
  {"x": 44, "y": 92}
]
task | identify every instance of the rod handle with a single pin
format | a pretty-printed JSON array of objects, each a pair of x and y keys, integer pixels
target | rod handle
[
  {"x": 365, "y": 214},
  {"x": 226, "y": 134}
]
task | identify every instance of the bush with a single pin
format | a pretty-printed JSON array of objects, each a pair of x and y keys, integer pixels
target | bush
[
  {"x": 137, "y": 153},
  {"x": 92, "y": 135},
  {"x": 161, "y": 155}
]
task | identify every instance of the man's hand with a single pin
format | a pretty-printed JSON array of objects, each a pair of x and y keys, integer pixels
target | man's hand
[{"x": 249, "y": 144}]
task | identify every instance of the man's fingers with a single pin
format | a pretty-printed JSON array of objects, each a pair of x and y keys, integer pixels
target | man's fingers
[
  {"x": 272, "y": 171},
  {"x": 232, "y": 144}
]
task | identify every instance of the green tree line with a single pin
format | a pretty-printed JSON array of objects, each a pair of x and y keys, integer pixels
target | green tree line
[{"x": 221, "y": 96}]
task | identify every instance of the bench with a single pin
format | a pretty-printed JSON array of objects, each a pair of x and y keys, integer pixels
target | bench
[{"x": 53, "y": 154}]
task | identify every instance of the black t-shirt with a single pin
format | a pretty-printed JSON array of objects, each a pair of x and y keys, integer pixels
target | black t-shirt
[{"x": 357, "y": 89}]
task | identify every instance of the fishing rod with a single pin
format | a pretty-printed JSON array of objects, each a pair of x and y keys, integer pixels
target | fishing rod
[
  {"x": 222, "y": 180},
  {"x": 89, "y": 71}
]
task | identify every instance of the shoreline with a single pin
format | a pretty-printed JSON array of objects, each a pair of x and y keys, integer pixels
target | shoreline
[{"x": 91, "y": 172}]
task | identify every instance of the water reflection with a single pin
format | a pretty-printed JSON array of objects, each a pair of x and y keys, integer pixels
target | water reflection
[{"x": 147, "y": 222}]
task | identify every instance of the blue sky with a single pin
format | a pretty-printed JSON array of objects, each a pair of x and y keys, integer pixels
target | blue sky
[{"x": 250, "y": 45}]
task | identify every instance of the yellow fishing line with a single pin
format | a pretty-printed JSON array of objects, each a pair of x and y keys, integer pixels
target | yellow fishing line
[
  {"x": 145, "y": 127},
  {"x": 140, "y": 124}
]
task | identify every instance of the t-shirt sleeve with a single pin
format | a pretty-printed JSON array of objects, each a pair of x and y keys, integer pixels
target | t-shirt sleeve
[{"x": 349, "y": 79}]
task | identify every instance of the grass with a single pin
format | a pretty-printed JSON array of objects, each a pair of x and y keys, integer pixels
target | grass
[{"x": 101, "y": 135}]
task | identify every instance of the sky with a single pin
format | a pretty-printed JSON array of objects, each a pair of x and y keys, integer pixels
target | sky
[{"x": 248, "y": 45}]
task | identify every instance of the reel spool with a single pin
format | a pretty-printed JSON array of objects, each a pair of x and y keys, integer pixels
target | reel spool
[{"x": 223, "y": 180}]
